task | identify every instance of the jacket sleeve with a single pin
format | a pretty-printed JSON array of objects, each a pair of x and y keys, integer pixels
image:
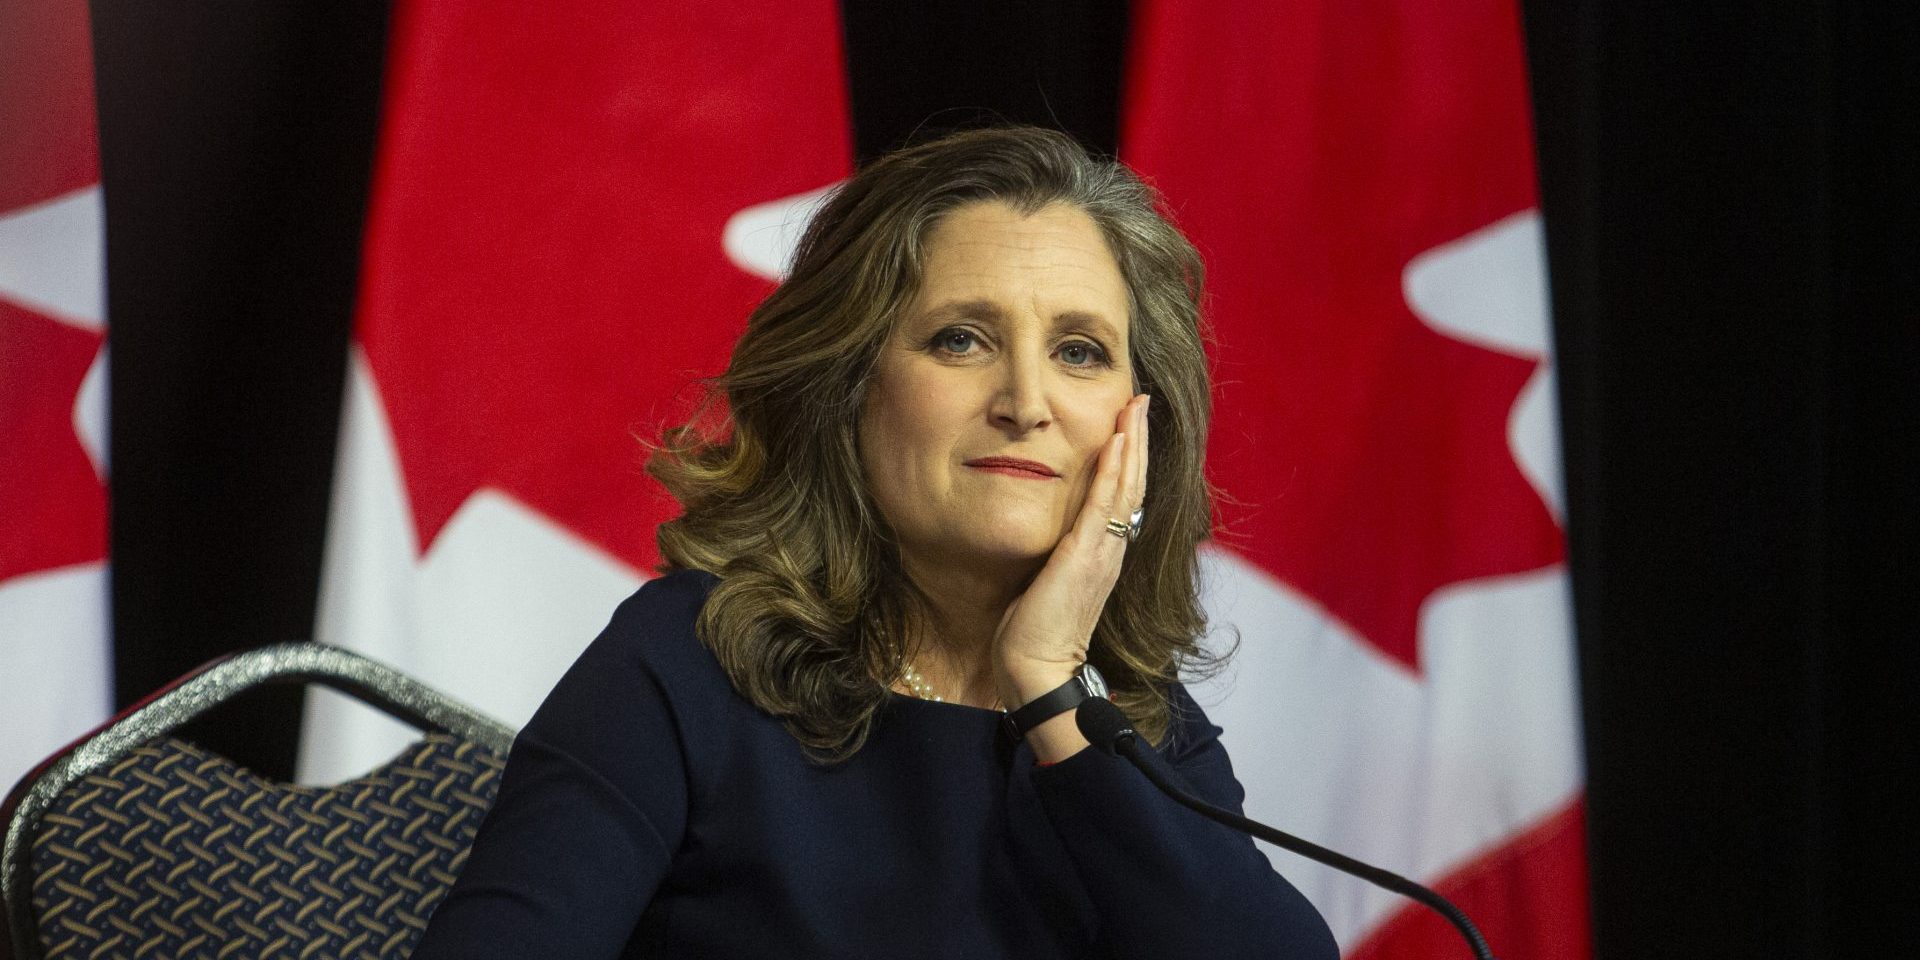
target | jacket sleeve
[
  {"x": 1163, "y": 880},
  {"x": 591, "y": 806}
]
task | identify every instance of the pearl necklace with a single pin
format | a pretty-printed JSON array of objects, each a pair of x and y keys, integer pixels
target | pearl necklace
[{"x": 918, "y": 684}]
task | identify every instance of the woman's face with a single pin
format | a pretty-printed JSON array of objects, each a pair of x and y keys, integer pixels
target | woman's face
[{"x": 998, "y": 386}]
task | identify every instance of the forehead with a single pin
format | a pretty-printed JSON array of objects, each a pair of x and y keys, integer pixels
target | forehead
[{"x": 987, "y": 261}]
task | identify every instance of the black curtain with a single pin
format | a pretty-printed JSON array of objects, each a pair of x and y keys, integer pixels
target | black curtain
[
  {"x": 915, "y": 71},
  {"x": 1729, "y": 201},
  {"x": 236, "y": 145},
  {"x": 1728, "y": 198}
]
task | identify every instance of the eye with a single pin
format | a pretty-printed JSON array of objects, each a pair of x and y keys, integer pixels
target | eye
[
  {"x": 955, "y": 340},
  {"x": 1080, "y": 353}
]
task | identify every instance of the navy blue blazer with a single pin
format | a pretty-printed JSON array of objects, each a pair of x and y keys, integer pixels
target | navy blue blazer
[{"x": 648, "y": 810}]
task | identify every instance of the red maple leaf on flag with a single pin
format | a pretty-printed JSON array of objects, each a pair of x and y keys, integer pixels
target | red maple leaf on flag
[
  {"x": 1365, "y": 453},
  {"x": 54, "y": 504}
]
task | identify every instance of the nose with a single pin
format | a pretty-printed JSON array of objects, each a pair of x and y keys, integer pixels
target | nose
[{"x": 1021, "y": 403}]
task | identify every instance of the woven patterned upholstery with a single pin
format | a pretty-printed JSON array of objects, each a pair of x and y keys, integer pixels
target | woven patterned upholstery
[{"x": 176, "y": 853}]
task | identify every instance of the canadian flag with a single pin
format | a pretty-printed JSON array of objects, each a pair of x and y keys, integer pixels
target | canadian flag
[
  {"x": 55, "y": 655},
  {"x": 554, "y": 258},
  {"x": 1359, "y": 178}
]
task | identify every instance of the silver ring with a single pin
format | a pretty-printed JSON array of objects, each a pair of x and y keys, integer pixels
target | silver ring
[{"x": 1133, "y": 524}]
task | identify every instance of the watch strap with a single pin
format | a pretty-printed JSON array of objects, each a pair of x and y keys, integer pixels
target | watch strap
[{"x": 1048, "y": 705}]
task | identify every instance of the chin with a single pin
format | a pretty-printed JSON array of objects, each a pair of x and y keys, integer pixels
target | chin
[{"x": 1012, "y": 543}]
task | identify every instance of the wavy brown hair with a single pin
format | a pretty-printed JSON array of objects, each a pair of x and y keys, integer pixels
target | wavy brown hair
[{"x": 812, "y": 615}]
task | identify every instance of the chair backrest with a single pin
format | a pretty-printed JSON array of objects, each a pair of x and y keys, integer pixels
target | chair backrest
[{"x": 132, "y": 843}]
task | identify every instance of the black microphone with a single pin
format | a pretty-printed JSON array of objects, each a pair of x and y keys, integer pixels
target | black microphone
[{"x": 1106, "y": 728}]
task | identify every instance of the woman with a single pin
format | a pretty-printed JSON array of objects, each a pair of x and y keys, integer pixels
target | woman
[{"x": 929, "y": 500}]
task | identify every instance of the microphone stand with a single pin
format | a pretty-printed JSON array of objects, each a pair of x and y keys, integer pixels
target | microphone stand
[{"x": 1107, "y": 728}]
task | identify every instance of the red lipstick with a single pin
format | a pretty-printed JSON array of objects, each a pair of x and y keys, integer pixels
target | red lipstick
[{"x": 1015, "y": 467}]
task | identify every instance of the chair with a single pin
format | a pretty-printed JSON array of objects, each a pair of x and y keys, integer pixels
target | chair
[{"x": 132, "y": 843}]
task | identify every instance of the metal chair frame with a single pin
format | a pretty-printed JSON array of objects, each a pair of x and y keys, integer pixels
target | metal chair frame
[{"x": 206, "y": 687}]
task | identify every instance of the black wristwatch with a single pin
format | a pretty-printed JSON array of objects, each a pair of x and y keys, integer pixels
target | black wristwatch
[{"x": 1086, "y": 684}]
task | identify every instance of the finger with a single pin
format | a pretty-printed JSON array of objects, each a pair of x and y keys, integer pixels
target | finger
[
  {"x": 1137, "y": 494},
  {"x": 1147, "y": 446},
  {"x": 1114, "y": 495},
  {"x": 1102, "y": 494},
  {"x": 1130, "y": 467}
]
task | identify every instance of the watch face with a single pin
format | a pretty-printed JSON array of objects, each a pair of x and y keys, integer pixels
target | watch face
[{"x": 1095, "y": 683}]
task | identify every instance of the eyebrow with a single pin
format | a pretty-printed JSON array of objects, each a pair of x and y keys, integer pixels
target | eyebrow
[{"x": 988, "y": 311}]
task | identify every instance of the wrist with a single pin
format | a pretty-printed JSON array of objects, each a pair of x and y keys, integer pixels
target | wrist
[
  {"x": 1028, "y": 682},
  {"x": 1048, "y": 721}
]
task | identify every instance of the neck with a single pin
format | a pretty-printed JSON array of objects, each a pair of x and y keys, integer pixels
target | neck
[{"x": 966, "y": 604}]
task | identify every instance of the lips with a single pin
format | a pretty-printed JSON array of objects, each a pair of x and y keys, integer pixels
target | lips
[{"x": 1014, "y": 465}]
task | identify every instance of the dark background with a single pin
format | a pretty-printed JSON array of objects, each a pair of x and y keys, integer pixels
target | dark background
[{"x": 1729, "y": 197}]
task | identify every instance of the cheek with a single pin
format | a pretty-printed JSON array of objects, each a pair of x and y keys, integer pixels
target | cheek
[
  {"x": 911, "y": 417},
  {"x": 1094, "y": 427},
  {"x": 877, "y": 451},
  {"x": 893, "y": 451},
  {"x": 1091, "y": 432}
]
